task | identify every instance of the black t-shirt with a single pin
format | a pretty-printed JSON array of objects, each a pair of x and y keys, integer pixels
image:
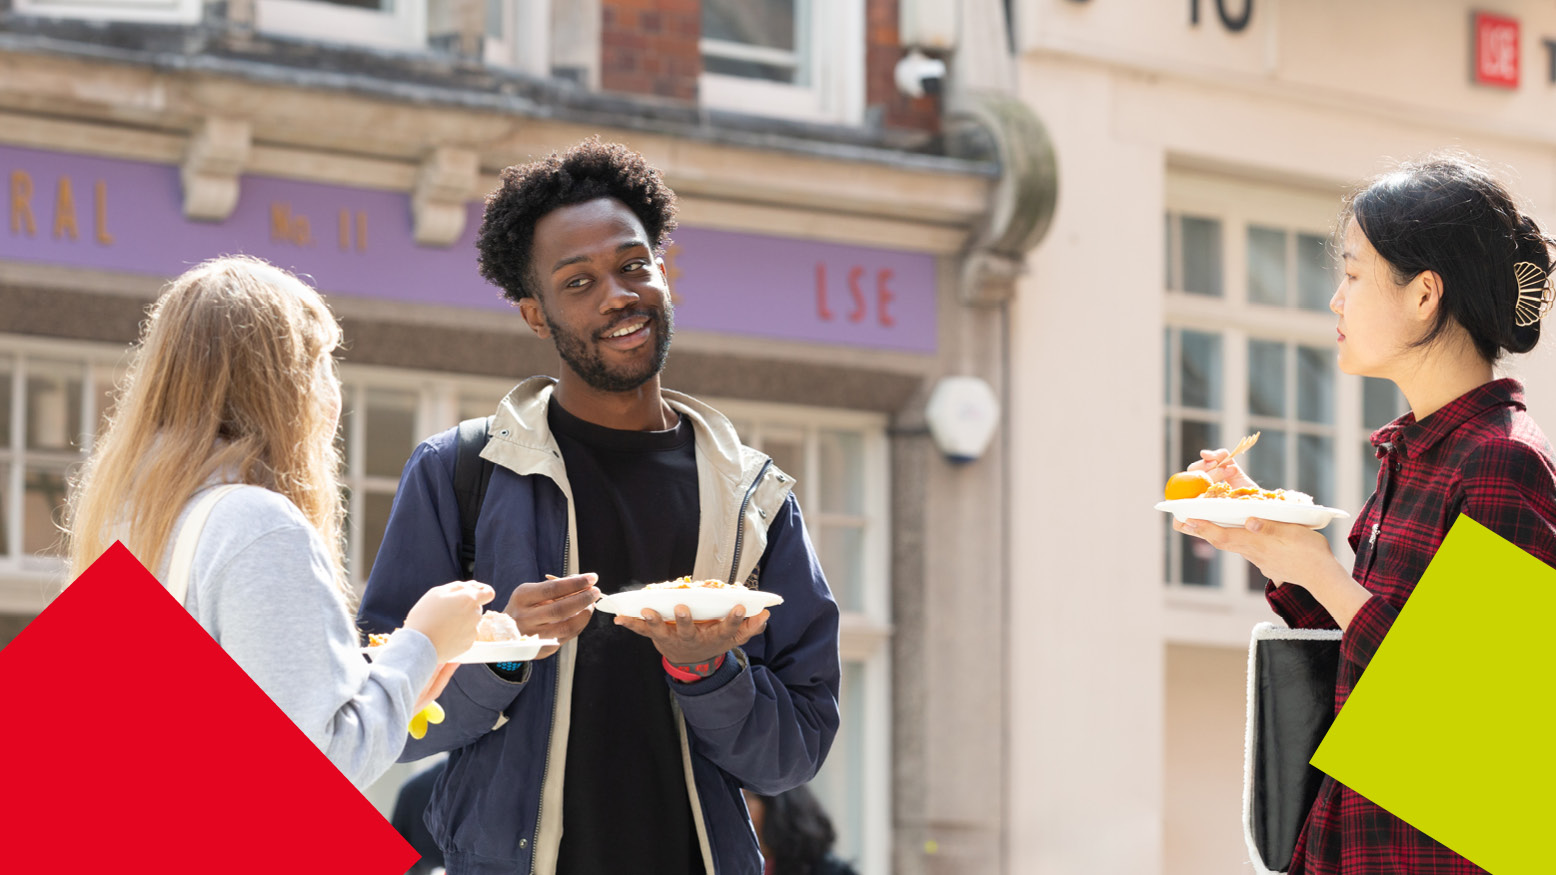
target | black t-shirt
[{"x": 624, "y": 793}]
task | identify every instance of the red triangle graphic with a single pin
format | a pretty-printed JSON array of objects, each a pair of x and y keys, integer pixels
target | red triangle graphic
[{"x": 136, "y": 744}]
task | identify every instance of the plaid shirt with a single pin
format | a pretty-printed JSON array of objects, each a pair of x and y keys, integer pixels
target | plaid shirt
[{"x": 1480, "y": 455}]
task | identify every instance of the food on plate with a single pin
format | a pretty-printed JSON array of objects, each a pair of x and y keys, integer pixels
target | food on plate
[
  {"x": 1224, "y": 490},
  {"x": 497, "y": 626},
  {"x": 687, "y": 583},
  {"x": 1187, "y": 484},
  {"x": 377, "y": 639}
]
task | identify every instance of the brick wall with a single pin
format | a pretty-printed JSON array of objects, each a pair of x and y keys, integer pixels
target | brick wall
[
  {"x": 883, "y": 50},
  {"x": 650, "y": 47}
]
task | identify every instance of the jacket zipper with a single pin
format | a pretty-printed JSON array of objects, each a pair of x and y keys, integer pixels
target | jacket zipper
[
  {"x": 556, "y": 697},
  {"x": 740, "y": 521}
]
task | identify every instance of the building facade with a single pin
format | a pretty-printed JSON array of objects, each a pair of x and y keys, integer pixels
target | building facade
[
  {"x": 846, "y": 242},
  {"x": 1180, "y": 301}
]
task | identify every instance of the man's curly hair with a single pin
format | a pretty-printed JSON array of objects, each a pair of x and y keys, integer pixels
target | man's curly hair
[{"x": 586, "y": 172}]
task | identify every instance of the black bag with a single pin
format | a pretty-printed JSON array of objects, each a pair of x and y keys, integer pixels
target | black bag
[
  {"x": 471, "y": 474},
  {"x": 1291, "y": 685}
]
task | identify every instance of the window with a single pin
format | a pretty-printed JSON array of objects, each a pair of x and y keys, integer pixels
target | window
[
  {"x": 518, "y": 35},
  {"x": 153, "y": 11},
  {"x": 53, "y": 396},
  {"x": 796, "y": 59},
  {"x": 385, "y": 413},
  {"x": 388, "y": 24},
  {"x": 1249, "y": 345},
  {"x": 839, "y": 462}
]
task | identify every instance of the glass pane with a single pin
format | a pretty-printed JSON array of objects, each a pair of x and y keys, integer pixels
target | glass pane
[
  {"x": 1256, "y": 578},
  {"x": 1381, "y": 402},
  {"x": 1167, "y": 261},
  {"x": 6, "y": 372},
  {"x": 1195, "y": 436},
  {"x": 1315, "y": 384},
  {"x": 1202, "y": 256},
  {"x": 107, "y": 395},
  {"x": 1266, "y": 378},
  {"x": 375, "y": 518},
  {"x": 1316, "y": 274},
  {"x": 5, "y": 510},
  {"x": 840, "y": 785},
  {"x": 766, "y": 23},
  {"x": 1315, "y": 467},
  {"x": 751, "y": 69},
  {"x": 53, "y": 405},
  {"x": 841, "y": 551},
  {"x": 1266, "y": 265},
  {"x": 43, "y": 506},
  {"x": 1370, "y": 465},
  {"x": 788, "y": 452},
  {"x": 1200, "y": 367},
  {"x": 1266, "y": 463},
  {"x": 11, "y": 625},
  {"x": 378, "y": 5},
  {"x": 494, "y": 21},
  {"x": 842, "y": 472},
  {"x": 389, "y": 432},
  {"x": 1167, "y": 366},
  {"x": 343, "y": 433},
  {"x": 1201, "y": 563}
]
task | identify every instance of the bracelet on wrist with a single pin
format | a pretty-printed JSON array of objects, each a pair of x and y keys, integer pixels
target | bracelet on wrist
[{"x": 695, "y": 671}]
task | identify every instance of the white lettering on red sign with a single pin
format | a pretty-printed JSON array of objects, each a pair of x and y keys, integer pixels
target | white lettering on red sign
[{"x": 1496, "y": 50}]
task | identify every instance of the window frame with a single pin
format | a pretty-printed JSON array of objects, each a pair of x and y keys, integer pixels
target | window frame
[
  {"x": 1222, "y": 613},
  {"x": 835, "y": 94},
  {"x": 321, "y": 21},
  {"x": 864, "y": 635},
  {"x": 28, "y": 581},
  {"x": 144, "y": 11},
  {"x": 525, "y": 42}
]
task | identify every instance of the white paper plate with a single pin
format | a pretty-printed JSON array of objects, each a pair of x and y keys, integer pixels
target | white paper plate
[
  {"x": 703, "y": 602},
  {"x": 1237, "y": 511},
  {"x": 497, "y": 651},
  {"x": 504, "y": 651}
]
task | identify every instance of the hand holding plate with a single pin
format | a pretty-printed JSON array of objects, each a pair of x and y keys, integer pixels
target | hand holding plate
[{"x": 684, "y": 642}]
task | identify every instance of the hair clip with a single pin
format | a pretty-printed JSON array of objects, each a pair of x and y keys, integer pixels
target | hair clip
[{"x": 1535, "y": 294}]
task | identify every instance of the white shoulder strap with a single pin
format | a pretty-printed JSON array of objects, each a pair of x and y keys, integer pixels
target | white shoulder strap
[{"x": 188, "y": 536}]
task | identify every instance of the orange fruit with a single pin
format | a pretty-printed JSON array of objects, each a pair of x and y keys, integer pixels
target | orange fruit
[{"x": 1187, "y": 484}]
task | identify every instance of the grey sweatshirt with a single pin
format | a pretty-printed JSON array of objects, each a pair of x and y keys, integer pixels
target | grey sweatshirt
[{"x": 261, "y": 585}]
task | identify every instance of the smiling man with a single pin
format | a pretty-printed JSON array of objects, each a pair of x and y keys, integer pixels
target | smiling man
[{"x": 628, "y": 750}]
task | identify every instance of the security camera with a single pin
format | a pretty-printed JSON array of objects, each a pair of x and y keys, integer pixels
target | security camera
[{"x": 918, "y": 74}]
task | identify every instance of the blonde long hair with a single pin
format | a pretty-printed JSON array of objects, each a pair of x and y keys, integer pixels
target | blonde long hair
[{"x": 231, "y": 376}]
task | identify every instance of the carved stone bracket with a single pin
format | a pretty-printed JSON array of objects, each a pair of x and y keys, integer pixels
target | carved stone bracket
[
  {"x": 1022, "y": 205},
  {"x": 446, "y": 182},
  {"x": 217, "y": 154}
]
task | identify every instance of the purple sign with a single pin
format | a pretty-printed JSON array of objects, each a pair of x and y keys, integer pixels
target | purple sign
[{"x": 128, "y": 216}]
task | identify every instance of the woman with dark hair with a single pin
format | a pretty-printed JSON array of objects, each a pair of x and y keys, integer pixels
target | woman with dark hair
[
  {"x": 795, "y": 834},
  {"x": 1443, "y": 275}
]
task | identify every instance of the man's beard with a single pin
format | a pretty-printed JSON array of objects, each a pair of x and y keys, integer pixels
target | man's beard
[{"x": 585, "y": 360}]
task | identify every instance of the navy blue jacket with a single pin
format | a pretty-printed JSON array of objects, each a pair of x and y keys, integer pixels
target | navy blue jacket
[{"x": 764, "y": 721}]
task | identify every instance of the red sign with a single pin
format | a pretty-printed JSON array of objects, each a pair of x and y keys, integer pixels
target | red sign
[{"x": 1496, "y": 50}]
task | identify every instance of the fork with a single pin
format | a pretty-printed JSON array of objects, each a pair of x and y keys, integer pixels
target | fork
[{"x": 1242, "y": 446}]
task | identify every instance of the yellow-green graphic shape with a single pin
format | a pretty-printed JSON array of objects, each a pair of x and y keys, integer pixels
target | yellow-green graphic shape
[{"x": 1451, "y": 727}]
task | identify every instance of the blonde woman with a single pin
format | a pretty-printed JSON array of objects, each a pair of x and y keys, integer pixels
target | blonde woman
[{"x": 234, "y": 383}]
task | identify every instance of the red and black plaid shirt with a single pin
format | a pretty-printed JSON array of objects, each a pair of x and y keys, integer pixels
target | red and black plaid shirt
[{"x": 1480, "y": 455}]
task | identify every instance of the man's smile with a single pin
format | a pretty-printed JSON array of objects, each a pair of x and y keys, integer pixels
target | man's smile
[{"x": 628, "y": 333}]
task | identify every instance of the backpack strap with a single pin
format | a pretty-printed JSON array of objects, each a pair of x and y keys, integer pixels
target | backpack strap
[{"x": 471, "y": 474}]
